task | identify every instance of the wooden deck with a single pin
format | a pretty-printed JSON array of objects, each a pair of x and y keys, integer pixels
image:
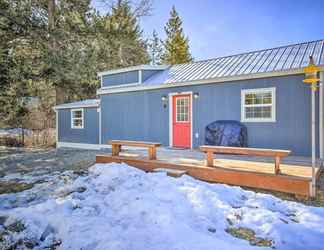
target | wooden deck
[{"x": 252, "y": 172}]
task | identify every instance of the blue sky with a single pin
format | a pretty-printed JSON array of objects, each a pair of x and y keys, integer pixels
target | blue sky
[{"x": 223, "y": 27}]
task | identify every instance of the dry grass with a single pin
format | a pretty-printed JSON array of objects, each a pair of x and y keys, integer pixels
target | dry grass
[
  {"x": 40, "y": 138},
  {"x": 249, "y": 235},
  {"x": 32, "y": 139}
]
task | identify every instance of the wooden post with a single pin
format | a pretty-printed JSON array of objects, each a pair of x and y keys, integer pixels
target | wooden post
[
  {"x": 313, "y": 120},
  {"x": 277, "y": 165},
  {"x": 152, "y": 153},
  {"x": 210, "y": 159},
  {"x": 115, "y": 149}
]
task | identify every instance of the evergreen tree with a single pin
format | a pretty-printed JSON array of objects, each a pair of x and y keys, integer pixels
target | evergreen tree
[
  {"x": 19, "y": 28},
  {"x": 57, "y": 48},
  {"x": 155, "y": 49},
  {"x": 122, "y": 37},
  {"x": 176, "y": 45}
]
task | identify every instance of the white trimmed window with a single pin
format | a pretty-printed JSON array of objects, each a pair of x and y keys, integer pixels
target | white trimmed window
[
  {"x": 182, "y": 111},
  {"x": 76, "y": 118},
  {"x": 258, "y": 105}
]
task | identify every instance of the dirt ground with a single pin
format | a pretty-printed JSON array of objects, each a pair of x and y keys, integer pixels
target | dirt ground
[
  {"x": 20, "y": 168},
  {"x": 23, "y": 161}
]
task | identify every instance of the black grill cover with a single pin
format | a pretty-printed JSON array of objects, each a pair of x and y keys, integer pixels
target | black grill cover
[{"x": 226, "y": 133}]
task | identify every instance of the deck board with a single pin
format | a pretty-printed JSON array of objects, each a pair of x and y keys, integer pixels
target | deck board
[
  {"x": 242, "y": 171},
  {"x": 244, "y": 165}
]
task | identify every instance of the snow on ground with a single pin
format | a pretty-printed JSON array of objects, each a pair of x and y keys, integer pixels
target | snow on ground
[
  {"x": 13, "y": 131},
  {"x": 119, "y": 207}
]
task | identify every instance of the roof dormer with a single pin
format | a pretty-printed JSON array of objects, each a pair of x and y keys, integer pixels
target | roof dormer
[{"x": 129, "y": 76}]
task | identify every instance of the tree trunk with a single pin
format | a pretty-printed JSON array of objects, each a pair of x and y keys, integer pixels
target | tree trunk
[
  {"x": 59, "y": 95},
  {"x": 51, "y": 13}
]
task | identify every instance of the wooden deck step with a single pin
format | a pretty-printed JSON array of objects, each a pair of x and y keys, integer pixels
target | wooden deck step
[{"x": 171, "y": 172}]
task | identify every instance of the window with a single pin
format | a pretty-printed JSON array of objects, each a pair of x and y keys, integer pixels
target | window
[
  {"x": 77, "y": 118},
  {"x": 182, "y": 113},
  {"x": 258, "y": 105}
]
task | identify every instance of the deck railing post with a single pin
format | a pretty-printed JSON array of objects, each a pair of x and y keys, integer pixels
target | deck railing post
[
  {"x": 210, "y": 159},
  {"x": 277, "y": 164},
  {"x": 313, "y": 191}
]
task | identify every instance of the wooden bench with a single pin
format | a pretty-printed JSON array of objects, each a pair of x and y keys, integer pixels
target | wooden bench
[
  {"x": 277, "y": 154},
  {"x": 151, "y": 146}
]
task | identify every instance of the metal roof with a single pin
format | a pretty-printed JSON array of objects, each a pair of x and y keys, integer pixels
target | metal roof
[
  {"x": 79, "y": 104},
  {"x": 282, "y": 58}
]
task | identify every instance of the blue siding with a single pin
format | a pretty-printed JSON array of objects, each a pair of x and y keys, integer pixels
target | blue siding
[
  {"x": 90, "y": 132},
  {"x": 141, "y": 116},
  {"x": 120, "y": 78}
]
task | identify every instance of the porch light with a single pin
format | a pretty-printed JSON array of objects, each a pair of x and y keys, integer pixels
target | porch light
[
  {"x": 311, "y": 77},
  {"x": 196, "y": 95},
  {"x": 163, "y": 98},
  {"x": 311, "y": 72}
]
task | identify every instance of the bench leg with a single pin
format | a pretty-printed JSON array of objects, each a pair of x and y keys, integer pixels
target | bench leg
[
  {"x": 115, "y": 150},
  {"x": 152, "y": 153},
  {"x": 277, "y": 165},
  {"x": 210, "y": 159}
]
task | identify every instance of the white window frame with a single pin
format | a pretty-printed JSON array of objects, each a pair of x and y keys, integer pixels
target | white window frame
[
  {"x": 72, "y": 119},
  {"x": 254, "y": 91}
]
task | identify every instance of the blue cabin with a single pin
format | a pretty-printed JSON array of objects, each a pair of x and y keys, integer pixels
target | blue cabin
[{"x": 173, "y": 104}]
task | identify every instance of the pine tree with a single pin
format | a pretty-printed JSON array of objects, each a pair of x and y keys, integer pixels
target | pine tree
[
  {"x": 176, "y": 45},
  {"x": 155, "y": 49},
  {"x": 61, "y": 45},
  {"x": 18, "y": 28},
  {"x": 121, "y": 33}
]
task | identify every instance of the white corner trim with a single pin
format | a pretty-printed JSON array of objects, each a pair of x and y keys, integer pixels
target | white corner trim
[
  {"x": 56, "y": 127},
  {"x": 171, "y": 116},
  {"x": 72, "y": 124},
  {"x": 100, "y": 125},
  {"x": 259, "y": 90},
  {"x": 80, "y": 145},
  {"x": 140, "y": 76},
  {"x": 133, "y": 68},
  {"x": 218, "y": 80}
]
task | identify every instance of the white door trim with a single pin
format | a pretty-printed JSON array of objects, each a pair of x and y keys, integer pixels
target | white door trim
[{"x": 171, "y": 116}]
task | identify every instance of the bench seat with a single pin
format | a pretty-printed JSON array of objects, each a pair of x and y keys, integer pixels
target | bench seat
[
  {"x": 276, "y": 154},
  {"x": 151, "y": 146}
]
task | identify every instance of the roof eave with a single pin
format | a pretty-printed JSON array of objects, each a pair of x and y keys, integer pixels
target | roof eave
[
  {"x": 204, "y": 81},
  {"x": 76, "y": 105}
]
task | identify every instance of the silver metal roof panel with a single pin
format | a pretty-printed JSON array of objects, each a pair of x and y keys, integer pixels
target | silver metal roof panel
[{"x": 263, "y": 61}]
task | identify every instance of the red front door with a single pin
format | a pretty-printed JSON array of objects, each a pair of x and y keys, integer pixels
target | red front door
[{"x": 181, "y": 121}]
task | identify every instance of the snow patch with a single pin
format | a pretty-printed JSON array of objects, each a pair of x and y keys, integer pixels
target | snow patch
[{"x": 119, "y": 207}]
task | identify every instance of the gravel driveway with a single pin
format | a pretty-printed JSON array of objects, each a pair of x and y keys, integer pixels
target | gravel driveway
[{"x": 20, "y": 168}]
